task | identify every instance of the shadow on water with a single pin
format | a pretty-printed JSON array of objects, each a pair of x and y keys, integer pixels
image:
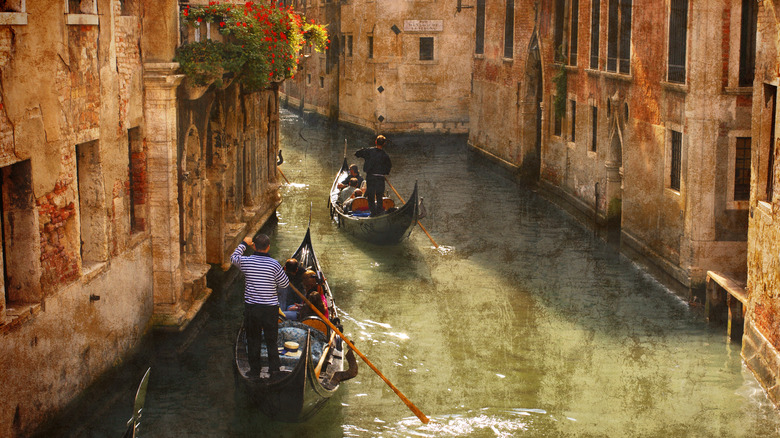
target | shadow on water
[{"x": 528, "y": 326}]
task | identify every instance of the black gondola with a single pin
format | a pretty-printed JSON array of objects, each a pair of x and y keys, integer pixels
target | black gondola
[
  {"x": 387, "y": 229},
  {"x": 312, "y": 375}
]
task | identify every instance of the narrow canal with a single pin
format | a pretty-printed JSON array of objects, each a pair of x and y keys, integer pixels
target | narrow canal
[{"x": 525, "y": 325}]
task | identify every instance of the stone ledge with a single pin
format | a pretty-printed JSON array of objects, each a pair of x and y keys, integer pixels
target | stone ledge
[
  {"x": 13, "y": 18},
  {"x": 179, "y": 321},
  {"x": 18, "y": 314}
]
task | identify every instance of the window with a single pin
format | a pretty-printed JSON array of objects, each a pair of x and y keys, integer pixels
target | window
[
  {"x": 594, "y": 125},
  {"x": 480, "y": 37},
  {"x": 573, "y": 125},
  {"x": 322, "y": 82},
  {"x": 557, "y": 121},
  {"x": 129, "y": 7},
  {"x": 91, "y": 203},
  {"x": 594, "y": 33},
  {"x": 619, "y": 36},
  {"x": 559, "y": 46},
  {"x": 747, "y": 43},
  {"x": 426, "y": 48},
  {"x": 349, "y": 45},
  {"x": 21, "y": 238},
  {"x": 82, "y": 12},
  {"x": 370, "y": 47},
  {"x": 678, "y": 40},
  {"x": 676, "y": 162},
  {"x": 308, "y": 78},
  {"x": 12, "y": 6},
  {"x": 769, "y": 114},
  {"x": 137, "y": 174},
  {"x": 575, "y": 12},
  {"x": 509, "y": 29},
  {"x": 742, "y": 169}
]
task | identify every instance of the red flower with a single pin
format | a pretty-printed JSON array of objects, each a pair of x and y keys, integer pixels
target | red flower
[
  {"x": 199, "y": 19},
  {"x": 221, "y": 24},
  {"x": 186, "y": 13}
]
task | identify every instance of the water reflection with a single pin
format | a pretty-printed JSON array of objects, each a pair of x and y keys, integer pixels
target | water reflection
[{"x": 522, "y": 324}]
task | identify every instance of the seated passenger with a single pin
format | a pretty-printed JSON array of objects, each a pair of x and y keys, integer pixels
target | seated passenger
[
  {"x": 313, "y": 291},
  {"x": 353, "y": 173},
  {"x": 347, "y": 191},
  {"x": 348, "y": 203},
  {"x": 287, "y": 297}
]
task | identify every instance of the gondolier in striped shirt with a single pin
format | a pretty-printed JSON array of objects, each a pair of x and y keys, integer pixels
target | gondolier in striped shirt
[
  {"x": 377, "y": 167},
  {"x": 264, "y": 276}
]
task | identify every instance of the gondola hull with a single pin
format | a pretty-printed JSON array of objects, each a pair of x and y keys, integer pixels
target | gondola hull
[
  {"x": 298, "y": 392},
  {"x": 387, "y": 229}
]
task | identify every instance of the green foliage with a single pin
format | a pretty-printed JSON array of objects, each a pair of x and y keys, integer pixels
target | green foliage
[
  {"x": 559, "y": 102},
  {"x": 262, "y": 43}
]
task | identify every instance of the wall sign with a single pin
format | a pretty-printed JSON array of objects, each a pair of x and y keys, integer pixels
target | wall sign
[{"x": 423, "y": 25}]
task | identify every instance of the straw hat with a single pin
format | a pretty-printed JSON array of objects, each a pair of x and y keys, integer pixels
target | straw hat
[{"x": 291, "y": 345}]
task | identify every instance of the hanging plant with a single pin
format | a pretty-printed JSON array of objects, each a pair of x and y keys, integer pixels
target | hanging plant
[
  {"x": 262, "y": 43},
  {"x": 560, "y": 82}
]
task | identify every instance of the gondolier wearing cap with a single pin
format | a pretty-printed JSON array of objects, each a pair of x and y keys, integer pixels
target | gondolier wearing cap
[
  {"x": 264, "y": 276},
  {"x": 376, "y": 166}
]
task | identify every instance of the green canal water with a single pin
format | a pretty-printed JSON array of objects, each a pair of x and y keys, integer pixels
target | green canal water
[{"x": 522, "y": 324}]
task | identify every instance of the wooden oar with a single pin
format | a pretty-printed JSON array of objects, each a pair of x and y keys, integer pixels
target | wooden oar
[
  {"x": 418, "y": 222},
  {"x": 282, "y": 173},
  {"x": 324, "y": 354},
  {"x": 408, "y": 403}
]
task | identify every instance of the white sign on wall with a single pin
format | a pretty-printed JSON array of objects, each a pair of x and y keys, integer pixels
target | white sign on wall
[{"x": 423, "y": 25}]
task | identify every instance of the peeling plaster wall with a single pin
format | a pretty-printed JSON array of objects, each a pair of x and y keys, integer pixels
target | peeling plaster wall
[
  {"x": 65, "y": 88},
  {"x": 761, "y": 341}
]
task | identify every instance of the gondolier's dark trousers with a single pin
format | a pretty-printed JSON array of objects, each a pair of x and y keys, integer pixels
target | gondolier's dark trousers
[
  {"x": 375, "y": 191},
  {"x": 260, "y": 322}
]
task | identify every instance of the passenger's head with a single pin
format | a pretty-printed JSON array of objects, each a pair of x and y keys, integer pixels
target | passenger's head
[
  {"x": 380, "y": 140},
  {"x": 309, "y": 279},
  {"x": 262, "y": 243},
  {"x": 357, "y": 193},
  {"x": 291, "y": 266},
  {"x": 353, "y": 182},
  {"x": 353, "y": 170}
]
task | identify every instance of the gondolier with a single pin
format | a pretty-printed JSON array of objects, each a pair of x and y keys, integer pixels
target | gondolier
[
  {"x": 377, "y": 166},
  {"x": 264, "y": 276}
]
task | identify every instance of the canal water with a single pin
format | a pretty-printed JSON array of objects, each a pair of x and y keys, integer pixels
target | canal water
[{"x": 521, "y": 324}]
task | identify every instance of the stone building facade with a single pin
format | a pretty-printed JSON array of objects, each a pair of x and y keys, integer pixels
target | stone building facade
[
  {"x": 116, "y": 178},
  {"x": 391, "y": 66},
  {"x": 315, "y": 88},
  {"x": 761, "y": 339},
  {"x": 636, "y": 117}
]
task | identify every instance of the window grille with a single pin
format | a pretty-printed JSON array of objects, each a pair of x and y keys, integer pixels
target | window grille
[
  {"x": 676, "y": 164},
  {"x": 575, "y": 12},
  {"x": 557, "y": 121},
  {"x": 349, "y": 45},
  {"x": 594, "y": 124},
  {"x": 559, "y": 47},
  {"x": 742, "y": 169},
  {"x": 594, "y": 33},
  {"x": 770, "y": 94},
  {"x": 573, "y": 127},
  {"x": 747, "y": 43},
  {"x": 509, "y": 29},
  {"x": 678, "y": 40},
  {"x": 426, "y": 48},
  {"x": 370, "y": 47},
  {"x": 619, "y": 36},
  {"x": 480, "y": 37}
]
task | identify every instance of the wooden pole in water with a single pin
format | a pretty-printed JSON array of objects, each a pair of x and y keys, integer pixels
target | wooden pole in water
[
  {"x": 418, "y": 222},
  {"x": 408, "y": 403}
]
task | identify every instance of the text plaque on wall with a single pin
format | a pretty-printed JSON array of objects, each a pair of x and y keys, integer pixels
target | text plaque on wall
[{"x": 423, "y": 25}]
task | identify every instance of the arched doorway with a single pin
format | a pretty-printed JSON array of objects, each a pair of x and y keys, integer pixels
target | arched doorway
[
  {"x": 617, "y": 111},
  {"x": 530, "y": 123}
]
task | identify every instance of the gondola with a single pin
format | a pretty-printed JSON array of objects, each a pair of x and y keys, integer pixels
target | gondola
[
  {"x": 387, "y": 229},
  {"x": 311, "y": 375}
]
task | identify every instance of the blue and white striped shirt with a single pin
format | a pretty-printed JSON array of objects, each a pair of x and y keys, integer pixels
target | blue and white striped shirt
[{"x": 264, "y": 276}]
